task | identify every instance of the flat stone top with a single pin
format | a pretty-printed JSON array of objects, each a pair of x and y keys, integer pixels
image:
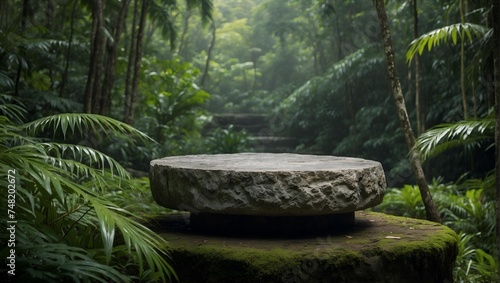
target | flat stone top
[
  {"x": 265, "y": 162},
  {"x": 267, "y": 184}
]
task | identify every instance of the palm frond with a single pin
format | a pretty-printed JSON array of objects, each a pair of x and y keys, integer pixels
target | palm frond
[
  {"x": 12, "y": 111},
  {"x": 444, "y": 34},
  {"x": 71, "y": 263},
  {"x": 5, "y": 81},
  {"x": 206, "y": 8},
  {"x": 160, "y": 13},
  {"x": 445, "y": 136},
  {"x": 486, "y": 185},
  {"x": 11, "y": 108},
  {"x": 61, "y": 184},
  {"x": 52, "y": 100},
  {"x": 81, "y": 122},
  {"x": 59, "y": 154},
  {"x": 360, "y": 61},
  {"x": 9, "y": 135},
  {"x": 138, "y": 238},
  {"x": 17, "y": 60}
]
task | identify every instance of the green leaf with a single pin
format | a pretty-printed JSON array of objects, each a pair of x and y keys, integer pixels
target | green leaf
[
  {"x": 443, "y": 34},
  {"x": 82, "y": 122},
  {"x": 454, "y": 35},
  {"x": 445, "y": 136}
]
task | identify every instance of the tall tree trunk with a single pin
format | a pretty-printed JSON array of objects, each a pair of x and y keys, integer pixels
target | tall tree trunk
[
  {"x": 430, "y": 208},
  {"x": 149, "y": 35},
  {"x": 185, "y": 28},
  {"x": 3, "y": 13},
  {"x": 496, "y": 81},
  {"x": 462, "y": 64},
  {"x": 51, "y": 26},
  {"x": 254, "y": 54},
  {"x": 51, "y": 15},
  {"x": 24, "y": 18},
  {"x": 209, "y": 55},
  {"x": 99, "y": 62},
  {"x": 64, "y": 78},
  {"x": 137, "y": 64},
  {"x": 339, "y": 38},
  {"x": 418, "y": 98},
  {"x": 93, "y": 88},
  {"x": 130, "y": 64},
  {"x": 110, "y": 69}
]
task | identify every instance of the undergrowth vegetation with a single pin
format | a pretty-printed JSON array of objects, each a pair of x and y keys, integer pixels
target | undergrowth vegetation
[
  {"x": 70, "y": 225},
  {"x": 469, "y": 209}
]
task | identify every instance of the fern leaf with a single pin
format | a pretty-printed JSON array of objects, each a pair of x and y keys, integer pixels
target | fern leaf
[
  {"x": 11, "y": 107},
  {"x": 444, "y": 34},
  {"x": 78, "y": 122},
  {"x": 78, "y": 152},
  {"x": 5, "y": 81},
  {"x": 49, "y": 184},
  {"x": 445, "y": 136}
]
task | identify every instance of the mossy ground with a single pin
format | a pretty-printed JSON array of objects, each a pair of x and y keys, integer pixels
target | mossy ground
[{"x": 378, "y": 248}]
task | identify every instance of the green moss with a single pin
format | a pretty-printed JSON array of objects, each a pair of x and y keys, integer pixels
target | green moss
[
  {"x": 232, "y": 265},
  {"x": 424, "y": 252}
]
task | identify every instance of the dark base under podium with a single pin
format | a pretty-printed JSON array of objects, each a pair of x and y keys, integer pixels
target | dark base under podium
[{"x": 269, "y": 225}]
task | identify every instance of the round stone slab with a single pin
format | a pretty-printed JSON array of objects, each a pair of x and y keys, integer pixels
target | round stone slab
[{"x": 267, "y": 184}]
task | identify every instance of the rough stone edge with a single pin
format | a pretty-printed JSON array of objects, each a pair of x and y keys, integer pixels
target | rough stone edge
[{"x": 205, "y": 200}]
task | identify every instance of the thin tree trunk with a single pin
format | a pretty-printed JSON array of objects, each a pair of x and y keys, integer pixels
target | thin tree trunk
[
  {"x": 110, "y": 69},
  {"x": 99, "y": 62},
  {"x": 185, "y": 28},
  {"x": 3, "y": 12},
  {"x": 318, "y": 60},
  {"x": 149, "y": 34},
  {"x": 462, "y": 65},
  {"x": 130, "y": 65},
  {"x": 339, "y": 38},
  {"x": 64, "y": 79},
  {"x": 350, "y": 104},
  {"x": 474, "y": 101},
  {"x": 255, "y": 55},
  {"x": 51, "y": 26},
  {"x": 24, "y": 18},
  {"x": 51, "y": 14},
  {"x": 430, "y": 208},
  {"x": 209, "y": 56},
  {"x": 137, "y": 65},
  {"x": 418, "y": 98},
  {"x": 315, "y": 61},
  {"x": 92, "y": 89},
  {"x": 496, "y": 81}
]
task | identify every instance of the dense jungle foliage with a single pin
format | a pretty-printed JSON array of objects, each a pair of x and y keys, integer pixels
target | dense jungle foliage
[{"x": 91, "y": 91}]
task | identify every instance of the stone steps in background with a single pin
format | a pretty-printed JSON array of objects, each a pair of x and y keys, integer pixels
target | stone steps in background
[{"x": 262, "y": 138}]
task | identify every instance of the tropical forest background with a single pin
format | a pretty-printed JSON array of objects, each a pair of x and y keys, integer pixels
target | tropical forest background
[{"x": 91, "y": 91}]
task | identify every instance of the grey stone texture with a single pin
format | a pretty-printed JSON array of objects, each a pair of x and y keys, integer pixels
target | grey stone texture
[{"x": 267, "y": 184}]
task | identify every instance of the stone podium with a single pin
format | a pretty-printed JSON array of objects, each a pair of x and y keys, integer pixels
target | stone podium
[
  {"x": 258, "y": 217},
  {"x": 270, "y": 193}
]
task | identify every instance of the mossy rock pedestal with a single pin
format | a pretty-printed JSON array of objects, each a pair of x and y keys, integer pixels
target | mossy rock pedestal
[
  {"x": 260, "y": 217},
  {"x": 377, "y": 248}
]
